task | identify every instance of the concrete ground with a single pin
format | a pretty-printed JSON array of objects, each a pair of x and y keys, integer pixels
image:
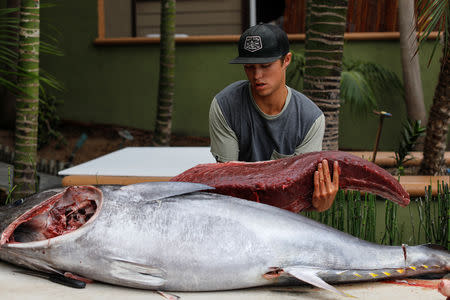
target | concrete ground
[{"x": 15, "y": 285}]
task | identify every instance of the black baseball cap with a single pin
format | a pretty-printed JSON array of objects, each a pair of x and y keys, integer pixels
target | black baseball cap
[{"x": 260, "y": 44}]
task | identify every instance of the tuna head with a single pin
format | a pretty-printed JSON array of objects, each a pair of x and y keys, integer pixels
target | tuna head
[
  {"x": 46, "y": 220},
  {"x": 288, "y": 183}
]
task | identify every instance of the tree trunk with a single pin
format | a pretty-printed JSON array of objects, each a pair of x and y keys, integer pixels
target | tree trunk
[
  {"x": 438, "y": 121},
  {"x": 412, "y": 82},
  {"x": 8, "y": 98},
  {"x": 163, "y": 126},
  {"x": 325, "y": 27},
  {"x": 27, "y": 104}
]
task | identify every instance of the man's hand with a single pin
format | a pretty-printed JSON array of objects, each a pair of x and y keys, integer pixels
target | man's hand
[
  {"x": 324, "y": 189},
  {"x": 444, "y": 287}
]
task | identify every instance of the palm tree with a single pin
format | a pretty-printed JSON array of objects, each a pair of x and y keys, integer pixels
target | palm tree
[
  {"x": 432, "y": 13},
  {"x": 361, "y": 85},
  {"x": 415, "y": 105},
  {"x": 27, "y": 103},
  {"x": 163, "y": 126},
  {"x": 325, "y": 27}
]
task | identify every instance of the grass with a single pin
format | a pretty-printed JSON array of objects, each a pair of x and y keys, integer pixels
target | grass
[
  {"x": 352, "y": 212},
  {"x": 11, "y": 187},
  {"x": 427, "y": 218}
]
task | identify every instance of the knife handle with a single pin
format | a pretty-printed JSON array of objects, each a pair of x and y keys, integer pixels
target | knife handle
[{"x": 70, "y": 282}]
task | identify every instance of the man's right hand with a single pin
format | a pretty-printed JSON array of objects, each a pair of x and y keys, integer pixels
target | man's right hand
[{"x": 325, "y": 190}]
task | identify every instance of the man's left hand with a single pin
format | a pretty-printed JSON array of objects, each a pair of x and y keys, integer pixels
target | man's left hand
[{"x": 325, "y": 190}]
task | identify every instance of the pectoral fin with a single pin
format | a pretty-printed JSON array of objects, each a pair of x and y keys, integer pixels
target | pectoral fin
[
  {"x": 138, "y": 275},
  {"x": 310, "y": 276},
  {"x": 168, "y": 295}
]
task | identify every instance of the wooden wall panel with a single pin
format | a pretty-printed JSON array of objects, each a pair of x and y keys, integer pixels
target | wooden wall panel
[
  {"x": 194, "y": 17},
  {"x": 362, "y": 16}
]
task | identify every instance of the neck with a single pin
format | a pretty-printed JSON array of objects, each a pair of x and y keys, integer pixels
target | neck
[{"x": 271, "y": 104}]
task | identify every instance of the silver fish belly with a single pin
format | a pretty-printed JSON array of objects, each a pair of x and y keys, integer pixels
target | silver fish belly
[{"x": 172, "y": 236}]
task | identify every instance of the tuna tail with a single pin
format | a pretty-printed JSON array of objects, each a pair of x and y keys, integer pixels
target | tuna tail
[
  {"x": 288, "y": 183},
  {"x": 428, "y": 258}
]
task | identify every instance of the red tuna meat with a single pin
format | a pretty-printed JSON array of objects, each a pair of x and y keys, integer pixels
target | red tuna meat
[{"x": 288, "y": 183}]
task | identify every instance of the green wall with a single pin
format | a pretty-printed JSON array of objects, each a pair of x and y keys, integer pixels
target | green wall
[{"x": 118, "y": 84}]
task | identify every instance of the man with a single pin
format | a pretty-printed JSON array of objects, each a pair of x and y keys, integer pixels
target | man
[{"x": 261, "y": 118}]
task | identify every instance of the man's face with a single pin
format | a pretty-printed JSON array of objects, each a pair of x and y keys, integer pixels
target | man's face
[{"x": 266, "y": 79}]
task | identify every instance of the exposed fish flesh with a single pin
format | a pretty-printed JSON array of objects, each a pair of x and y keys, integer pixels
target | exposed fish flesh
[
  {"x": 172, "y": 236},
  {"x": 288, "y": 183}
]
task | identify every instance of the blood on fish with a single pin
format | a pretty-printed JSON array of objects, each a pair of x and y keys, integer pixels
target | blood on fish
[
  {"x": 64, "y": 213},
  {"x": 274, "y": 273},
  {"x": 76, "y": 277},
  {"x": 430, "y": 284}
]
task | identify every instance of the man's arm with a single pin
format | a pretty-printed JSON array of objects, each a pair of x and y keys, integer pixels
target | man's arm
[
  {"x": 224, "y": 142},
  {"x": 313, "y": 139},
  {"x": 325, "y": 190}
]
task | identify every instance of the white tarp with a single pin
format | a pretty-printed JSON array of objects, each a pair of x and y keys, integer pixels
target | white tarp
[{"x": 144, "y": 161}]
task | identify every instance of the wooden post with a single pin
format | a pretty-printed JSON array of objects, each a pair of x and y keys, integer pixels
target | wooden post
[
  {"x": 382, "y": 115},
  {"x": 101, "y": 18}
]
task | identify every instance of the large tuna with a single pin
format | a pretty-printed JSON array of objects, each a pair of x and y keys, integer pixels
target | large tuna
[
  {"x": 288, "y": 183},
  {"x": 170, "y": 236}
]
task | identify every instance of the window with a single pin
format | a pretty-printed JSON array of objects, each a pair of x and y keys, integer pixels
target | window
[
  {"x": 141, "y": 18},
  {"x": 137, "y": 21}
]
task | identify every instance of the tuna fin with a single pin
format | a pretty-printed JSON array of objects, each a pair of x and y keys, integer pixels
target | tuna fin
[
  {"x": 139, "y": 275},
  {"x": 310, "y": 276},
  {"x": 168, "y": 295},
  {"x": 151, "y": 191}
]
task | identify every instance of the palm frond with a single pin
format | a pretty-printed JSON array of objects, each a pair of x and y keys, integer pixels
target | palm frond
[
  {"x": 9, "y": 27},
  {"x": 50, "y": 80},
  {"x": 49, "y": 48},
  {"x": 433, "y": 15},
  {"x": 362, "y": 83},
  {"x": 7, "y": 56},
  {"x": 357, "y": 93},
  {"x": 295, "y": 71},
  {"x": 411, "y": 131},
  {"x": 11, "y": 86},
  {"x": 7, "y": 11},
  {"x": 384, "y": 82}
]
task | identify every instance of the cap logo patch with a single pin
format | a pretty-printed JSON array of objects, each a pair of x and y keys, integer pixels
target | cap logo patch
[{"x": 253, "y": 43}]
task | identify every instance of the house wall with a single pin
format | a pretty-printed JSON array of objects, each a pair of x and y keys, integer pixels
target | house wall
[{"x": 118, "y": 84}]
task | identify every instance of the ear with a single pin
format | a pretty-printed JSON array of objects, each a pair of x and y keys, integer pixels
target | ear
[{"x": 287, "y": 60}]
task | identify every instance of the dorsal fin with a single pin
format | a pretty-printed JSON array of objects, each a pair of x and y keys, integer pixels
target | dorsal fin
[{"x": 151, "y": 191}]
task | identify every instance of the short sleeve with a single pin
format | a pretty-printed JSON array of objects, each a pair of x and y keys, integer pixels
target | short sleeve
[
  {"x": 224, "y": 142},
  {"x": 313, "y": 139}
]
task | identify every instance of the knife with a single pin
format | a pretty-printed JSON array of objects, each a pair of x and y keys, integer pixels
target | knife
[{"x": 57, "y": 278}]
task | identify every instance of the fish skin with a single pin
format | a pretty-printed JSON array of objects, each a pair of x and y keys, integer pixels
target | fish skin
[
  {"x": 191, "y": 240},
  {"x": 288, "y": 183}
]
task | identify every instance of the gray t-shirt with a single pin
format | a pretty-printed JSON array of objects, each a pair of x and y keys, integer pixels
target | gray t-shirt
[{"x": 239, "y": 130}]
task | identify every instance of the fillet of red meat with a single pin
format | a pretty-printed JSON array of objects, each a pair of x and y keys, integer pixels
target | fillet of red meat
[{"x": 288, "y": 183}]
